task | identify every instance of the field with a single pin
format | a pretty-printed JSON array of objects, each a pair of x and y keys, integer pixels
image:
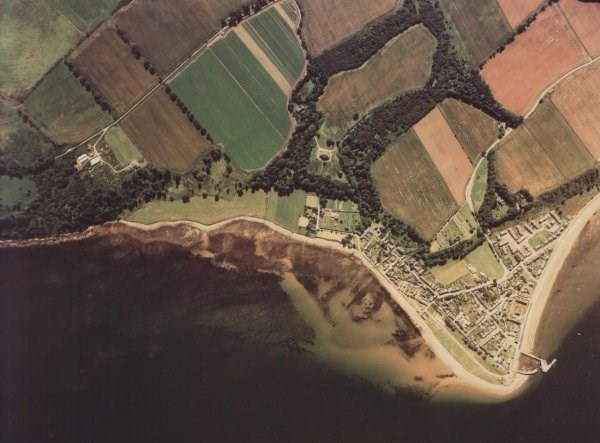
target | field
[
  {"x": 484, "y": 260},
  {"x": 446, "y": 152},
  {"x": 474, "y": 130},
  {"x": 578, "y": 99},
  {"x": 168, "y": 32},
  {"x": 34, "y": 35},
  {"x": 479, "y": 185},
  {"x": 286, "y": 211},
  {"x": 237, "y": 100},
  {"x": 278, "y": 41},
  {"x": 108, "y": 64},
  {"x": 537, "y": 58},
  {"x": 164, "y": 135},
  {"x": 15, "y": 191},
  {"x": 539, "y": 239},
  {"x": 450, "y": 272},
  {"x": 541, "y": 154},
  {"x": 404, "y": 64},
  {"x": 202, "y": 210},
  {"x": 585, "y": 20},
  {"x": 411, "y": 187},
  {"x": 63, "y": 109},
  {"x": 123, "y": 148},
  {"x": 328, "y": 22},
  {"x": 85, "y": 14},
  {"x": 481, "y": 25},
  {"x": 517, "y": 10},
  {"x": 461, "y": 226}
]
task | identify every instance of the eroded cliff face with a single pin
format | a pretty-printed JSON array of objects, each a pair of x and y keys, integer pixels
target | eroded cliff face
[{"x": 358, "y": 328}]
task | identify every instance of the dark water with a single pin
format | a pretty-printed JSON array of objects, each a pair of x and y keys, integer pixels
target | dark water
[{"x": 111, "y": 343}]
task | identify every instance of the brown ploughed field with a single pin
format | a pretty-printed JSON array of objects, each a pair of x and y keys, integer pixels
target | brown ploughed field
[
  {"x": 446, "y": 153},
  {"x": 517, "y": 10},
  {"x": 537, "y": 58},
  {"x": 328, "y": 22},
  {"x": 578, "y": 99},
  {"x": 108, "y": 64},
  {"x": 164, "y": 135},
  {"x": 585, "y": 19},
  {"x": 168, "y": 32}
]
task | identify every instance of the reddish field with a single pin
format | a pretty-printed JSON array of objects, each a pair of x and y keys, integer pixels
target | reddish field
[
  {"x": 536, "y": 59},
  {"x": 585, "y": 19},
  {"x": 578, "y": 99},
  {"x": 164, "y": 135},
  {"x": 168, "y": 32},
  {"x": 446, "y": 152},
  {"x": 517, "y": 10},
  {"x": 328, "y": 22},
  {"x": 107, "y": 63}
]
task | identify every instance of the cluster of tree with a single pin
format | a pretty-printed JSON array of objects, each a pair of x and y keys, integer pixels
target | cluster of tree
[
  {"x": 98, "y": 98},
  {"x": 455, "y": 252},
  {"x": 190, "y": 116},
  {"x": 135, "y": 50},
  {"x": 583, "y": 182},
  {"x": 247, "y": 9}
]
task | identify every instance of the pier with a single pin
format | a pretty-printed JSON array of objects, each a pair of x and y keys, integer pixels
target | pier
[{"x": 544, "y": 365}]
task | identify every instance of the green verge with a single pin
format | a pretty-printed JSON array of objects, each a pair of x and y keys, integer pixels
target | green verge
[
  {"x": 85, "y": 14},
  {"x": 286, "y": 210},
  {"x": 479, "y": 185}
]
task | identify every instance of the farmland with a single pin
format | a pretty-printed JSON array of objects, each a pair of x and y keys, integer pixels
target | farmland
[
  {"x": 481, "y": 25},
  {"x": 542, "y": 154},
  {"x": 474, "y": 130},
  {"x": 287, "y": 210},
  {"x": 108, "y": 64},
  {"x": 517, "y": 10},
  {"x": 411, "y": 187},
  {"x": 85, "y": 14},
  {"x": 578, "y": 99},
  {"x": 237, "y": 100},
  {"x": 120, "y": 144},
  {"x": 585, "y": 19},
  {"x": 43, "y": 37},
  {"x": 63, "y": 109},
  {"x": 537, "y": 58},
  {"x": 164, "y": 135},
  {"x": 187, "y": 24},
  {"x": 404, "y": 64},
  {"x": 446, "y": 152},
  {"x": 328, "y": 22}
]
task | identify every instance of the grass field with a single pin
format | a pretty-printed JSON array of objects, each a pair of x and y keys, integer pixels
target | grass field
[
  {"x": 34, "y": 36},
  {"x": 445, "y": 151},
  {"x": 164, "y": 135},
  {"x": 202, "y": 210},
  {"x": 402, "y": 65},
  {"x": 410, "y": 186},
  {"x": 484, "y": 260},
  {"x": 278, "y": 41},
  {"x": 168, "y": 32},
  {"x": 578, "y": 99},
  {"x": 123, "y": 148},
  {"x": 14, "y": 191},
  {"x": 63, "y": 109},
  {"x": 286, "y": 211},
  {"x": 328, "y": 22},
  {"x": 537, "y": 58},
  {"x": 517, "y": 10},
  {"x": 474, "y": 129},
  {"x": 236, "y": 99},
  {"x": 108, "y": 64},
  {"x": 481, "y": 25},
  {"x": 479, "y": 185},
  {"x": 539, "y": 239},
  {"x": 543, "y": 153},
  {"x": 461, "y": 226},
  {"x": 450, "y": 272},
  {"x": 584, "y": 17},
  {"x": 85, "y": 14}
]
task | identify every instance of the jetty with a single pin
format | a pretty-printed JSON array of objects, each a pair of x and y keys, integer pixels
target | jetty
[{"x": 544, "y": 365}]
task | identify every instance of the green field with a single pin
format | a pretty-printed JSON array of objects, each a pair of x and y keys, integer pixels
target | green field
[
  {"x": 237, "y": 101},
  {"x": 33, "y": 36},
  {"x": 286, "y": 210},
  {"x": 15, "y": 191},
  {"x": 450, "y": 272},
  {"x": 479, "y": 184},
  {"x": 202, "y": 210},
  {"x": 122, "y": 146},
  {"x": 85, "y": 14},
  {"x": 278, "y": 41},
  {"x": 411, "y": 187},
  {"x": 484, "y": 260},
  {"x": 64, "y": 109},
  {"x": 538, "y": 240}
]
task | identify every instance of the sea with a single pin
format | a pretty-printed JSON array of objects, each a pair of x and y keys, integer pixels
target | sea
[{"x": 104, "y": 341}]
